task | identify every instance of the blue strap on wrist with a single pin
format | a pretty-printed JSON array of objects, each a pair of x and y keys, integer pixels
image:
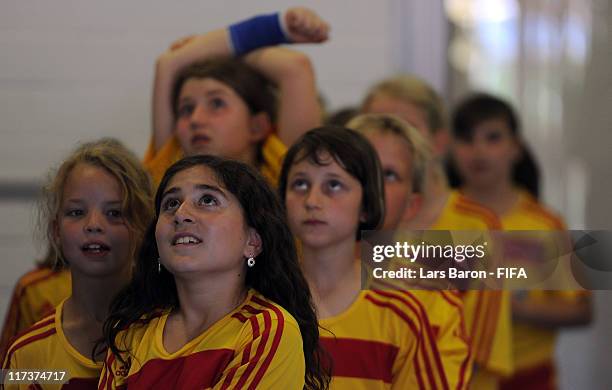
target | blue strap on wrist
[{"x": 259, "y": 31}]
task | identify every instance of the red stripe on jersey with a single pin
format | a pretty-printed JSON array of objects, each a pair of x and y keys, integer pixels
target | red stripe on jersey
[
  {"x": 240, "y": 317},
  {"x": 461, "y": 384},
  {"x": 477, "y": 316},
  {"x": 412, "y": 327},
  {"x": 35, "y": 276},
  {"x": 418, "y": 372},
  {"x": 27, "y": 341},
  {"x": 487, "y": 323},
  {"x": 429, "y": 334},
  {"x": 29, "y": 279},
  {"x": 452, "y": 299},
  {"x": 485, "y": 339},
  {"x": 492, "y": 318},
  {"x": 251, "y": 309},
  {"x": 107, "y": 371},
  {"x": 470, "y": 207},
  {"x": 451, "y": 296},
  {"x": 198, "y": 370},
  {"x": 265, "y": 335},
  {"x": 479, "y": 325},
  {"x": 396, "y": 310},
  {"x": 365, "y": 359},
  {"x": 277, "y": 337},
  {"x": 540, "y": 377},
  {"x": 49, "y": 319},
  {"x": 246, "y": 353},
  {"x": 432, "y": 338},
  {"x": 489, "y": 219}
]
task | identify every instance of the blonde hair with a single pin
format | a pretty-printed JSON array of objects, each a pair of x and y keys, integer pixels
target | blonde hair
[
  {"x": 411, "y": 89},
  {"x": 418, "y": 145},
  {"x": 135, "y": 183}
]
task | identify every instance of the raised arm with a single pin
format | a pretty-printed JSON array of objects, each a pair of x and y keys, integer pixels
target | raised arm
[
  {"x": 295, "y": 77},
  {"x": 298, "y": 107},
  {"x": 293, "y": 73},
  {"x": 180, "y": 55}
]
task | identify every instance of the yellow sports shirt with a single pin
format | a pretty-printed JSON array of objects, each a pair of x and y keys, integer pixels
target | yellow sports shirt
[
  {"x": 387, "y": 340},
  {"x": 256, "y": 346},
  {"x": 533, "y": 346},
  {"x": 36, "y": 294},
  {"x": 44, "y": 346},
  {"x": 156, "y": 163},
  {"x": 487, "y": 314}
]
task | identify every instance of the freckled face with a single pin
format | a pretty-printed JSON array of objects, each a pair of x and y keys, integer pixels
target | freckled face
[{"x": 92, "y": 232}]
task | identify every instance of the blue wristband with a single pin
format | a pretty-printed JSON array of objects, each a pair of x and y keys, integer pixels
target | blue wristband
[{"x": 259, "y": 31}]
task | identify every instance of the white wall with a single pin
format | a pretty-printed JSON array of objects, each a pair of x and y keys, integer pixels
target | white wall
[
  {"x": 584, "y": 355},
  {"x": 76, "y": 70},
  {"x": 79, "y": 70},
  {"x": 16, "y": 246}
]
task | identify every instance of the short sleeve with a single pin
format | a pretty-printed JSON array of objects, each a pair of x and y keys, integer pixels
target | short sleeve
[{"x": 269, "y": 355}]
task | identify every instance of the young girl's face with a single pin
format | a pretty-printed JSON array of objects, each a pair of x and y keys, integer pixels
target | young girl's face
[
  {"x": 201, "y": 227},
  {"x": 488, "y": 156},
  {"x": 324, "y": 203},
  {"x": 213, "y": 119},
  {"x": 396, "y": 161},
  {"x": 92, "y": 232}
]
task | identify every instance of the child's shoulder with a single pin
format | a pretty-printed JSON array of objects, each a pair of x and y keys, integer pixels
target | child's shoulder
[
  {"x": 260, "y": 318},
  {"x": 403, "y": 307},
  {"x": 259, "y": 307},
  {"x": 532, "y": 214},
  {"x": 42, "y": 332},
  {"x": 461, "y": 213},
  {"x": 40, "y": 275}
]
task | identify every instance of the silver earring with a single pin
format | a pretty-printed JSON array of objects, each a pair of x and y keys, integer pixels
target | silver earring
[
  {"x": 251, "y": 262},
  {"x": 158, "y": 266}
]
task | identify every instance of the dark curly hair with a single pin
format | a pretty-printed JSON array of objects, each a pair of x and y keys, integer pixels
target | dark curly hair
[{"x": 278, "y": 279}]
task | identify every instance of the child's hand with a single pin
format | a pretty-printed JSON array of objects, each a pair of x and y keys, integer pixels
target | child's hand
[
  {"x": 305, "y": 26},
  {"x": 181, "y": 42}
]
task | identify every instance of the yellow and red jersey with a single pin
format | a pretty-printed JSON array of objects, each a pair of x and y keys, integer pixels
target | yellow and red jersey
[
  {"x": 35, "y": 295},
  {"x": 533, "y": 347},
  {"x": 156, "y": 162},
  {"x": 257, "y": 345},
  {"x": 45, "y": 346},
  {"x": 461, "y": 213},
  {"x": 529, "y": 214},
  {"x": 488, "y": 316},
  {"x": 387, "y": 340}
]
